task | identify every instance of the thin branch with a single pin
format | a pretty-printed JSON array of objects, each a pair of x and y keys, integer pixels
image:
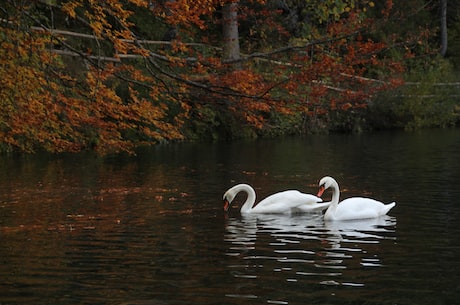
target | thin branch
[{"x": 435, "y": 84}]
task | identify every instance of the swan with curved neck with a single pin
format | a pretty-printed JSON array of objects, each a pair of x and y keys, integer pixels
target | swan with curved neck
[
  {"x": 351, "y": 208},
  {"x": 285, "y": 202}
]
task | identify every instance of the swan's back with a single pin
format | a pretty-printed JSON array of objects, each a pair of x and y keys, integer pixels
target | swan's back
[
  {"x": 284, "y": 202},
  {"x": 360, "y": 208}
]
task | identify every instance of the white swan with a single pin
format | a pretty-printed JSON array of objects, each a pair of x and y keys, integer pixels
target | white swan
[
  {"x": 285, "y": 202},
  {"x": 351, "y": 208}
]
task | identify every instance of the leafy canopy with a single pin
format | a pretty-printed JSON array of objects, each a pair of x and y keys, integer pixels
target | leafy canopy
[{"x": 127, "y": 91}]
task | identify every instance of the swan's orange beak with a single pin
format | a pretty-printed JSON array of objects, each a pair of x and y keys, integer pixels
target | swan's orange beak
[
  {"x": 321, "y": 191},
  {"x": 226, "y": 205}
]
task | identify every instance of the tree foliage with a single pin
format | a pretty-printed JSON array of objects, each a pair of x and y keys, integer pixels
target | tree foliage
[{"x": 296, "y": 57}]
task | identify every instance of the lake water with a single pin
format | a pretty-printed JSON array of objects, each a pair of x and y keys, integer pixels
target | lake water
[{"x": 150, "y": 229}]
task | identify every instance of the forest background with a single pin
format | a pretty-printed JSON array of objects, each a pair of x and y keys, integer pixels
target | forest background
[{"x": 114, "y": 75}]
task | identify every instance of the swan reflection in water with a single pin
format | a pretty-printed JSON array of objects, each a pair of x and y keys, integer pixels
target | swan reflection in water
[
  {"x": 378, "y": 228},
  {"x": 314, "y": 249},
  {"x": 309, "y": 226}
]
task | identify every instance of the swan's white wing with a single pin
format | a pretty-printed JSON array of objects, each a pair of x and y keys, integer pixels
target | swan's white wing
[
  {"x": 315, "y": 207},
  {"x": 284, "y": 202},
  {"x": 361, "y": 208}
]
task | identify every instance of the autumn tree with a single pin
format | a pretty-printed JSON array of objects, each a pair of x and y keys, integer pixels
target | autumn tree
[
  {"x": 45, "y": 107},
  {"x": 126, "y": 90},
  {"x": 231, "y": 45}
]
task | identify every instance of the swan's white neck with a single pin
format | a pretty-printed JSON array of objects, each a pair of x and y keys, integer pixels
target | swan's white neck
[
  {"x": 250, "y": 200},
  {"x": 334, "y": 201}
]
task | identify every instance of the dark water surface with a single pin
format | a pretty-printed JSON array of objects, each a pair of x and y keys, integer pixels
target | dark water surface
[{"x": 150, "y": 229}]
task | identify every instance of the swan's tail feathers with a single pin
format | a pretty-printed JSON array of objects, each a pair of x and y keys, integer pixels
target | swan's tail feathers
[{"x": 388, "y": 207}]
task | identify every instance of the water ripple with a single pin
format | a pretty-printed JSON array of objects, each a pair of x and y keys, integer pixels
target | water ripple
[{"x": 306, "y": 249}]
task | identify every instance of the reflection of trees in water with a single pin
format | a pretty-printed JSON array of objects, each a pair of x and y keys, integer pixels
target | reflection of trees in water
[{"x": 85, "y": 192}]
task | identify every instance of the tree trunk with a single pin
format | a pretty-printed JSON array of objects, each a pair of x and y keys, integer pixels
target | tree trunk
[
  {"x": 443, "y": 28},
  {"x": 231, "y": 50}
]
